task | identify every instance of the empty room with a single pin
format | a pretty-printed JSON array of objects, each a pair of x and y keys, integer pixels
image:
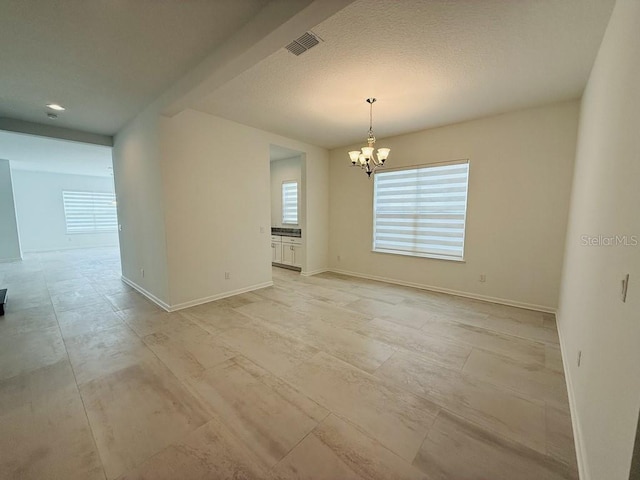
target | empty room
[{"x": 319, "y": 239}]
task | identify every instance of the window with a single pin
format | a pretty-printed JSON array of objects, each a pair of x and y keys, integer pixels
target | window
[
  {"x": 90, "y": 212},
  {"x": 421, "y": 211},
  {"x": 290, "y": 202}
]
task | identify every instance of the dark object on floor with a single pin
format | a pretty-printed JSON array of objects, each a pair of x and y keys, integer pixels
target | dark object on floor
[
  {"x": 635, "y": 458},
  {"x": 3, "y": 300}
]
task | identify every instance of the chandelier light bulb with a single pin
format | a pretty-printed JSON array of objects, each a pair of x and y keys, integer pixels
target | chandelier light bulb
[
  {"x": 367, "y": 152},
  {"x": 383, "y": 153}
]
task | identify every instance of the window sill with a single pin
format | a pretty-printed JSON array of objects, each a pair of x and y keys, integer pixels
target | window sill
[
  {"x": 420, "y": 255},
  {"x": 92, "y": 232}
]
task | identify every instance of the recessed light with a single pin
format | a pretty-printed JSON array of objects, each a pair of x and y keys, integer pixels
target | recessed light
[
  {"x": 52, "y": 116},
  {"x": 55, "y": 106}
]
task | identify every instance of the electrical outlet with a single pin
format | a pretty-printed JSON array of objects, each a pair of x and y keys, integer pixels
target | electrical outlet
[
  {"x": 261, "y": 229},
  {"x": 227, "y": 275},
  {"x": 483, "y": 277},
  {"x": 579, "y": 357},
  {"x": 338, "y": 257}
]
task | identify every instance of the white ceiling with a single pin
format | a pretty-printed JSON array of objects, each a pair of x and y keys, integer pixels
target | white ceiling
[
  {"x": 42, "y": 154},
  {"x": 104, "y": 60},
  {"x": 429, "y": 63}
]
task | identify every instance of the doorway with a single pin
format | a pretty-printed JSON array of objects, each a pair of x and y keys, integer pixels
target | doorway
[
  {"x": 288, "y": 217},
  {"x": 64, "y": 196}
]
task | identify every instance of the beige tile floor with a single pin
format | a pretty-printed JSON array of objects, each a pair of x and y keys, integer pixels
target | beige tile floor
[{"x": 325, "y": 377}]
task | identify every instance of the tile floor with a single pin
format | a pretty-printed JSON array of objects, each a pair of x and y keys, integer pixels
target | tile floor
[{"x": 326, "y": 377}]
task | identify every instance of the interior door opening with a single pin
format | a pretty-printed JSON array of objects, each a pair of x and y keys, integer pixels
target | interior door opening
[{"x": 288, "y": 219}]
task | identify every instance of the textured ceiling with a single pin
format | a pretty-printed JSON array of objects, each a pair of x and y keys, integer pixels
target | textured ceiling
[
  {"x": 41, "y": 154},
  {"x": 429, "y": 63},
  {"x": 104, "y": 60}
]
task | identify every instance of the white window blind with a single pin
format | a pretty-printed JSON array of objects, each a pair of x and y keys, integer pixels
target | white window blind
[
  {"x": 421, "y": 211},
  {"x": 290, "y": 202},
  {"x": 90, "y": 212}
]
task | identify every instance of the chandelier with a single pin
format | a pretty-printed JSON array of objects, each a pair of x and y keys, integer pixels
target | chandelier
[{"x": 366, "y": 159}]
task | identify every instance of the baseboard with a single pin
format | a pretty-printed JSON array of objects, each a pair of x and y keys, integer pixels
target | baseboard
[
  {"x": 314, "y": 272},
  {"x": 457, "y": 293},
  {"x": 74, "y": 247},
  {"x": 219, "y": 296},
  {"x": 10, "y": 260},
  {"x": 583, "y": 471},
  {"x": 147, "y": 294},
  {"x": 192, "y": 303}
]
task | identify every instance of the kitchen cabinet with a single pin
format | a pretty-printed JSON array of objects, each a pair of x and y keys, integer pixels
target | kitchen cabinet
[
  {"x": 276, "y": 250},
  {"x": 292, "y": 254},
  {"x": 286, "y": 251}
]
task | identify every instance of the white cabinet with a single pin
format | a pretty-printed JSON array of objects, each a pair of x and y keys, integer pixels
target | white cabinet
[
  {"x": 276, "y": 251},
  {"x": 286, "y": 250},
  {"x": 292, "y": 255}
]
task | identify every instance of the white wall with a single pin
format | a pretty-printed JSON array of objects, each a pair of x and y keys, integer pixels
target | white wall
[
  {"x": 520, "y": 178},
  {"x": 217, "y": 191},
  {"x": 315, "y": 200},
  {"x": 141, "y": 200},
  {"x": 193, "y": 191},
  {"x": 216, "y": 187},
  {"x": 137, "y": 155},
  {"x": 605, "y": 389},
  {"x": 282, "y": 171},
  {"x": 40, "y": 210},
  {"x": 9, "y": 239}
]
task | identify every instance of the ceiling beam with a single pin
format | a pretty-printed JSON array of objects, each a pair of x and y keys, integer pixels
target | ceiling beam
[
  {"x": 53, "y": 131},
  {"x": 276, "y": 25}
]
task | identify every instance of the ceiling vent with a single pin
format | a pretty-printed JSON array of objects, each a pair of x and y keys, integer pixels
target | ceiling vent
[{"x": 305, "y": 42}]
